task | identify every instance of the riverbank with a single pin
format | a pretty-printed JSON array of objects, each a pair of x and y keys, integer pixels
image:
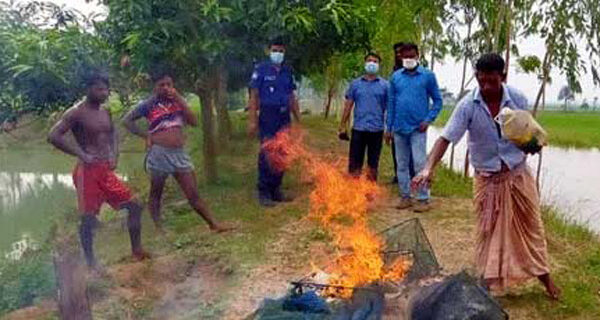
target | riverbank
[
  {"x": 565, "y": 129},
  {"x": 231, "y": 273}
]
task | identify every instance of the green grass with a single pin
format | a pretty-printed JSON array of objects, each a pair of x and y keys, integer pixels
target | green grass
[
  {"x": 565, "y": 129},
  {"x": 575, "y": 255},
  {"x": 575, "y": 129}
]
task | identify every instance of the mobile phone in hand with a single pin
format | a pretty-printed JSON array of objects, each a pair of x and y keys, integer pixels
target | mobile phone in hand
[{"x": 343, "y": 136}]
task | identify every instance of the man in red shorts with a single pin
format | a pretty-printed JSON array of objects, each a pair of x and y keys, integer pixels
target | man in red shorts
[{"x": 97, "y": 153}]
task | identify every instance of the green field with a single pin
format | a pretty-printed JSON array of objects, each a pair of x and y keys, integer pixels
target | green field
[{"x": 565, "y": 129}]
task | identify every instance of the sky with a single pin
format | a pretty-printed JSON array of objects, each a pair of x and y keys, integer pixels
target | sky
[{"x": 449, "y": 73}]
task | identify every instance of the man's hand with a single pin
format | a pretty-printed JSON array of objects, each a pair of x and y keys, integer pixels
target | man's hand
[
  {"x": 252, "y": 129},
  {"x": 388, "y": 137},
  {"x": 113, "y": 163},
  {"x": 175, "y": 95},
  {"x": 343, "y": 135},
  {"x": 423, "y": 126},
  {"x": 87, "y": 158},
  {"x": 532, "y": 147},
  {"x": 423, "y": 179}
]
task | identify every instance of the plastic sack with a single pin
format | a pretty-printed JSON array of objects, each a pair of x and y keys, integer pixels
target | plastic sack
[
  {"x": 520, "y": 127},
  {"x": 457, "y": 297}
]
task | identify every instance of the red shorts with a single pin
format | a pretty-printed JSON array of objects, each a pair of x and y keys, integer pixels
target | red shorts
[{"x": 96, "y": 184}]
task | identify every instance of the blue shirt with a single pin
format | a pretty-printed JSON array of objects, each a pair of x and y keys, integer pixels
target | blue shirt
[
  {"x": 275, "y": 87},
  {"x": 370, "y": 100},
  {"x": 487, "y": 149},
  {"x": 408, "y": 100}
]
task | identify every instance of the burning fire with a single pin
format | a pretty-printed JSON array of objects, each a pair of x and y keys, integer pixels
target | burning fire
[{"x": 339, "y": 203}]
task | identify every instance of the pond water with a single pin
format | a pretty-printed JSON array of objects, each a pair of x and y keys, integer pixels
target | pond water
[
  {"x": 36, "y": 188},
  {"x": 569, "y": 179}
]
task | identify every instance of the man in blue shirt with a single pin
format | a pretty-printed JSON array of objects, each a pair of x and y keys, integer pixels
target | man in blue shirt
[
  {"x": 410, "y": 114},
  {"x": 272, "y": 99},
  {"x": 368, "y": 96},
  {"x": 511, "y": 246}
]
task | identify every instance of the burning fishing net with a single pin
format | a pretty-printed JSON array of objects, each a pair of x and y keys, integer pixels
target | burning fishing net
[
  {"x": 408, "y": 238},
  {"x": 340, "y": 204}
]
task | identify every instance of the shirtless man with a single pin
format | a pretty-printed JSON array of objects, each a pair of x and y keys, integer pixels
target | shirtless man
[
  {"x": 94, "y": 178},
  {"x": 167, "y": 112}
]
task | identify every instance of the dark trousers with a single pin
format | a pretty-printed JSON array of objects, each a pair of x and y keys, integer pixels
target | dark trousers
[
  {"x": 269, "y": 179},
  {"x": 360, "y": 142}
]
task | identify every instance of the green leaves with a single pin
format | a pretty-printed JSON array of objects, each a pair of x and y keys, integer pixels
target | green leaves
[
  {"x": 299, "y": 20},
  {"x": 530, "y": 64},
  {"x": 41, "y": 69}
]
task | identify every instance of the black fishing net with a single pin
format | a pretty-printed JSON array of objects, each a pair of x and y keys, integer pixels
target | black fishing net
[
  {"x": 408, "y": 239},
  {"x": 457, "y": 297}
]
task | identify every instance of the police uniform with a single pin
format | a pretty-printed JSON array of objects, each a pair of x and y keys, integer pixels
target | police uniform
[{"x": 275, "y": 88}]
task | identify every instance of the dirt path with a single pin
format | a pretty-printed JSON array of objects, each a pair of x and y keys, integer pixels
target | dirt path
[
  {"x": 290, "y": 257},
  {"x": 450, "y": 227}
]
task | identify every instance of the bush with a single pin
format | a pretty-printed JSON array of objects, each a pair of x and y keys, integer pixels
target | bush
[{"x": 25, "y": 280}]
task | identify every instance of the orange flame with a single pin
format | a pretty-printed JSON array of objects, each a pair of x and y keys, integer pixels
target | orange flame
[{"x": 339, "y": 203}]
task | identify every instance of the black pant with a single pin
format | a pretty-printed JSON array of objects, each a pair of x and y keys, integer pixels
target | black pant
[{"x": 361, "y": 141}]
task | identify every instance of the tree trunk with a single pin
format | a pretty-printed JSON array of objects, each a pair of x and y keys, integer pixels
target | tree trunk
[
  {"x": 327, "y": 106},
  {"x": 545, "y": 73},
  {"x": 209, "y": 147},
  {"x": 467, "y": 164},
  {"x": 460, "y": 96},
  {"x": 544, "y": 96},
  {"x": 508, "y": 36},
  {"x": 538, "y": 97},
  {"x": 224, "y": 122},
  {"x": 452, "y": 156},
  {"x": 72, "y": 296},
  {"x": 498, "y": 26},
  {"x": 433, "y": 54}
]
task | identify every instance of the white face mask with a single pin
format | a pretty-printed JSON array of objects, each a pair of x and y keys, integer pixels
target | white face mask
[
  {"x": 276, "y": 57},
  {"x": 410, "y": 64},
  {"x": 371, "y": 67}
]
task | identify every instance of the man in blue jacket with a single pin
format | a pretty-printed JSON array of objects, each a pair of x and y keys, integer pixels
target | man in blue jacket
[
  {"x": 272, "y": 102},
  {"x": 414, "y": 102}
]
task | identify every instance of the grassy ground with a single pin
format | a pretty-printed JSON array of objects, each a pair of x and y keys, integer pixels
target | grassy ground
[
  {"x": 565, "y": 129},
  {"x": 231, "y": 273}
]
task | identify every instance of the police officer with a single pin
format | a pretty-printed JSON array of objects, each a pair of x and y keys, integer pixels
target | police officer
[{"x": 272, "y": 100}]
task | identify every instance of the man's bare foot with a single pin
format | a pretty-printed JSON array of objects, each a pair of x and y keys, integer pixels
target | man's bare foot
[
  {"x": 140, "y": 255},
  {"x": 220, "y": 228},
  {"x": 552, "y": 290}
]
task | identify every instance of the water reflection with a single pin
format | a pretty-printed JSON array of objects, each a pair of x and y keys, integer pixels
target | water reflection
[
  {"x": 28, "y": 204},
  {"x": 569, "y": 179},
  {"x": 15, "y": 185}
]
